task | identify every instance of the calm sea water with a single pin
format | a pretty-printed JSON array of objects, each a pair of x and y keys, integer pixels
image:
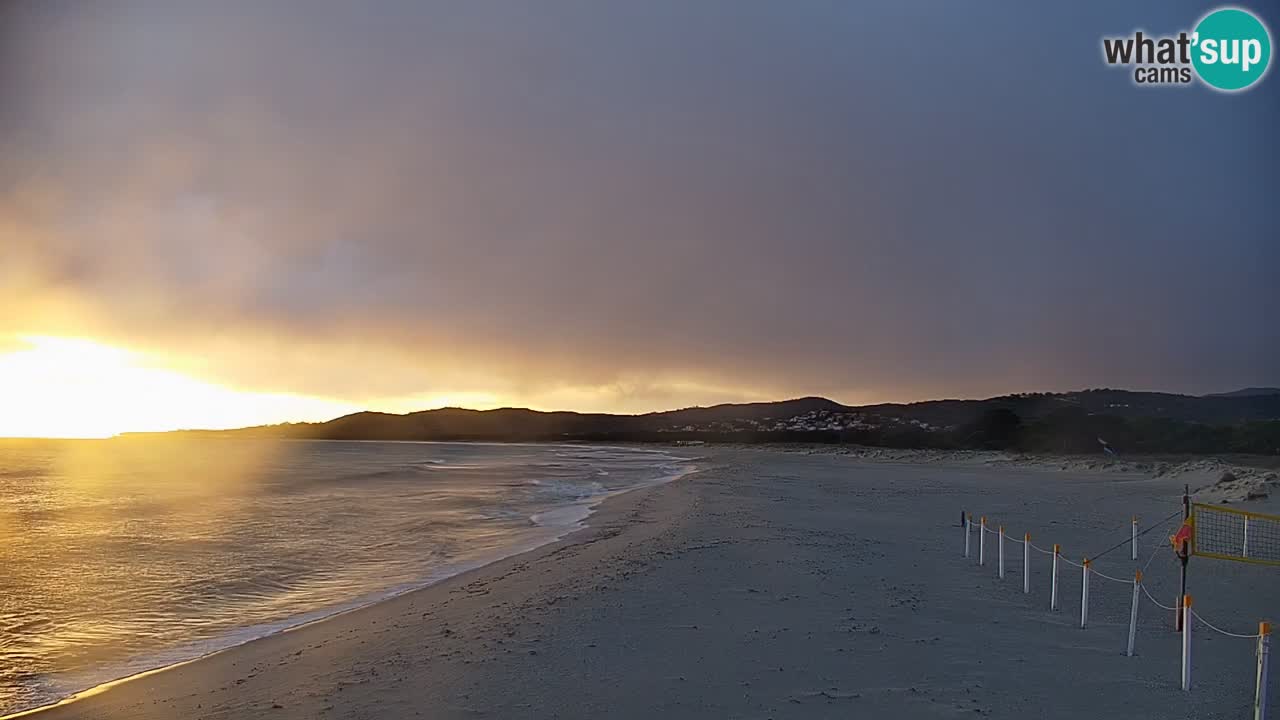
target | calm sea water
[{"x": 118, "y": 556}]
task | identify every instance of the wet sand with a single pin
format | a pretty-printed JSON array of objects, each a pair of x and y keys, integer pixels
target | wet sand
[{"x": 768, "y": 585}]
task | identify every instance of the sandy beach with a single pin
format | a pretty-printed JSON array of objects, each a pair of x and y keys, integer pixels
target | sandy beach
[{"x": 768, "y": 585}]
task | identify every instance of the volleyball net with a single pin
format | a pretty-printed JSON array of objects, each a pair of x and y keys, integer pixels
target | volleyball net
[{"x": 1226, "y": 533}]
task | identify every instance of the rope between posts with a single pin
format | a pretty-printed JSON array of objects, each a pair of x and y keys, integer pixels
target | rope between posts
[
  {"x": 1159, "y": 604},
  {"x": 1078, "y": 565},
  {"x": 1129, "y": 539},
  {"x": 1220, "y": 630},
  {"x": 1154, "y": 552},
  {"x": 1108, "y": 577}
]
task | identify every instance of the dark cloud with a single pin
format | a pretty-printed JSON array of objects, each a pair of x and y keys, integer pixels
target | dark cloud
[{"x": 655, "y": 202}]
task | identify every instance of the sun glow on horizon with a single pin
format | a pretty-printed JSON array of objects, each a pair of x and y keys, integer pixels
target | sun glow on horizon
[{"x": 78, "y": 388}]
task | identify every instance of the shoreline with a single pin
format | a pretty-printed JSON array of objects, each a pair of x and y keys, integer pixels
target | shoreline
[
  {"x": 595, "y": 508},
  {"x": 764, "y": 584}
]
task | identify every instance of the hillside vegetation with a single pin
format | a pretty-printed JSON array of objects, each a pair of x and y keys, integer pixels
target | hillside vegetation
[{"x": 1075, "y": 422}]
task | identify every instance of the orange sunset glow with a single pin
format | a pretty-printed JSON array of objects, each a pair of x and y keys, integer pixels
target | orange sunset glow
[
  {"x": 63, "y": 387},
  {"x": 72, "y": 387}
]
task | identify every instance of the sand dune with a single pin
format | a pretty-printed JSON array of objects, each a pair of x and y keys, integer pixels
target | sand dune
[{"x": 1213, "y": 479}]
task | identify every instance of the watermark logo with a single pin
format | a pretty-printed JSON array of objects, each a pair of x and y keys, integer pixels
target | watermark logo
[{"x": 1229, "y": 50}]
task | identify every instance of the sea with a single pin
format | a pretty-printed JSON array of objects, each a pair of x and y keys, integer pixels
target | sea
[{"x": 125, "y": 555}]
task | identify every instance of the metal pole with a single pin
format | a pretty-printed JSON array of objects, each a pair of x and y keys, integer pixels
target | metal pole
[
  {"x": 968, "y": 526},
  {"x": 1084, "y": 595},
  {"x": 1053, "y": 588},
  {"x": 982, "y": 540},
  {"x": 1186, "y": 642},
  {"x": 1185, "y": 555},
  {"x": 1134, "y": 543},
  {"x": 1244, "y": 549},
  {"x": 1026, "y": 563},
  {"x": 1000, "y": 552},
  {"x": 1133, "y": 611},
  {"x": 1260, "y": 693}
]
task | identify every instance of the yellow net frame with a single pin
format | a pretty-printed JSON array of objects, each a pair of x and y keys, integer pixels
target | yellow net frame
[{"x": 1230, "y": 534}]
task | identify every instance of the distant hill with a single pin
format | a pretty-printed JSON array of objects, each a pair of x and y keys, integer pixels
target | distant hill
[
  {"x": 1242, "y": 421},
  {"x": 1210, "y": 409},
  {"x": 1248, "y": 392}
]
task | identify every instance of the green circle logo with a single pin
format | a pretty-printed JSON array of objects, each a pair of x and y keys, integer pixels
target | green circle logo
[{"x": 1232, "y": 49}]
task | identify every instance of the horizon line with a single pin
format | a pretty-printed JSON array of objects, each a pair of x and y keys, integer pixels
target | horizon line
[{"x": 640, "y": 414}]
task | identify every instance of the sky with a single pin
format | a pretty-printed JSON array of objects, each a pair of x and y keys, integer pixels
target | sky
[{"x": 220, "y": 214}]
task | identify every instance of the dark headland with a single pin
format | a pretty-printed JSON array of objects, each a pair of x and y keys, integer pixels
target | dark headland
[{"x": 1244, "y": 421}]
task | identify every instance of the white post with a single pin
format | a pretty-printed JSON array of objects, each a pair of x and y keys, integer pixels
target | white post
[
  {"x": 1133, "y": 611},
  {"x": 1260, "y": 692},
  {"x": 1053, "y": 588},
  {"x": 1000, "y": 552},
  {"x": 1244, "y": 550},
  {"x": 982, "y": 540},
  {"x": 1026, "y": 563},
  {"x": 1186, "y": 642},
  {"x": 1084, "y": 595},
  {"x": 968, "y": 526},
  {"x": 1134, "y": 542}
]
